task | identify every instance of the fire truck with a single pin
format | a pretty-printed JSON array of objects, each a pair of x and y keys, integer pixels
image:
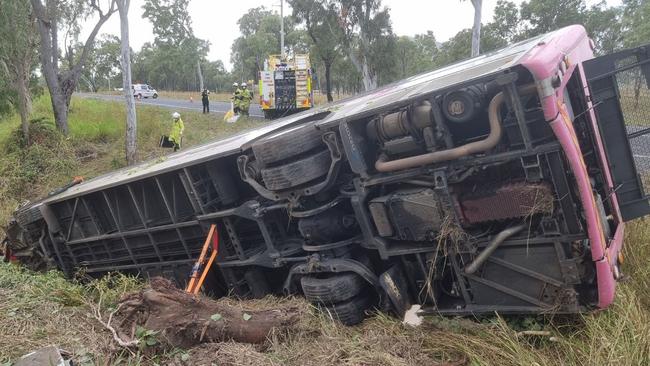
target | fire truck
[{"x": 285, "y": 85}]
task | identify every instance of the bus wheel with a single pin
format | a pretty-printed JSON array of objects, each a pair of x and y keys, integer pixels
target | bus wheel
[
  {"x": 350, "y": 312},
  {"x": 287, "y": 144},
  {"x": 297, "y": 172},
  {"x": 333, "y": 289}
]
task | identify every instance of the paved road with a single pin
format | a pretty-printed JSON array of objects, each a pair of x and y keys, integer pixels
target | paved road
[{"x": 215, "y": 107}]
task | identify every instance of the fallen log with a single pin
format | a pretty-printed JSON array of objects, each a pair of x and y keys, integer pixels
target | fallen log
[{"x": 184, "y": 320}]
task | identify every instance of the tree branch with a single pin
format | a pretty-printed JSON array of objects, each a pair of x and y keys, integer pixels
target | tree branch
[
  {"x": 39, "y": 9},
  {"x": 91, "y": 37}
]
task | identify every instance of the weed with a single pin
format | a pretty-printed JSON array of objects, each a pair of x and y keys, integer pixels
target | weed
[
  {"x": 29, "y": 170},
  {"x": 146, "y": 337}
]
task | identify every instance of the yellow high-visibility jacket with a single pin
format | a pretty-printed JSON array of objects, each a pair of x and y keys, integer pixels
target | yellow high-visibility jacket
[
  {"x": 247, "y": 95},
  {"x": 237, "y": 97},
  {"x": 177, "y": 131}
]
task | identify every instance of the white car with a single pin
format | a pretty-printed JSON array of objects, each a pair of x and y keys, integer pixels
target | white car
[{"x": 144, "y": 91}]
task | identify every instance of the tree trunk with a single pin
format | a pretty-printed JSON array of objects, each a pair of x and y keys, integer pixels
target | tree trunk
[
  {"x": 24, "y": 100},
  {"x": 125, "y": 61},
  {"x": 93, "y": 84},
  {"x": 90, "y": 83},
  {"x": 476, "y": 29},
  {"x": 184, "y": 320},
  {"x": 328, "y": 80},
  {"x": 368, "y": 79},
  {"x": 198, "y": 70},
  {"x": 48, "y": 33},
  {"x": 60, "y": 109}
]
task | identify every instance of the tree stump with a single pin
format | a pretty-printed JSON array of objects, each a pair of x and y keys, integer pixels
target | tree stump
[{"x": 184, "y": 320}]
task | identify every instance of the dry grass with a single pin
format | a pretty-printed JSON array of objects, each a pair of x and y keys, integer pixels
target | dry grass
[
  {"x": 635, "y": 106},
  {"x": 42, "y": 309},
  {"x": 619, "y": 335}
]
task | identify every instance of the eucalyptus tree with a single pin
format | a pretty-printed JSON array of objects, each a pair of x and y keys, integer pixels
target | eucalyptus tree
[
  {"x": 174, "y": 36},
  {"x": 131, "y": 137},
  {"x": 18, "y": 40},
  {"x": 321, "y": 23},
  {"x": 66, "y": 16},
  {"x": 366, "y": 34}
]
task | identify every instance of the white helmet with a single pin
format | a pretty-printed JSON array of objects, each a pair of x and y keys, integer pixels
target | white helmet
[
  {"x": 176, "y": 115},
  {"x": 235, "y": 84},
  {"x": 244, "y": 85}
]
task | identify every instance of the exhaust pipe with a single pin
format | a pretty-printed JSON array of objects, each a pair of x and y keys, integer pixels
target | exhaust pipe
[{"x": 490, "y": 248}]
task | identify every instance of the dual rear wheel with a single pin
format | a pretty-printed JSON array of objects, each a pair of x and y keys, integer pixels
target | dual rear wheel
[
  {"x": 342, "y": 296},
  {"x": 292, "y": 157}
]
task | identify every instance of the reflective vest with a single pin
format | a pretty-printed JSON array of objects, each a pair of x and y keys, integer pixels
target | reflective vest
[
  {"x": 236, "y": 95},
  {"x": 247, "y": 95},
  {"x": 177, "y": 131}
]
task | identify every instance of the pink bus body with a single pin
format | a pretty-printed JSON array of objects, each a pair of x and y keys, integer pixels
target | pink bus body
[{"x": 572, "y": 46}]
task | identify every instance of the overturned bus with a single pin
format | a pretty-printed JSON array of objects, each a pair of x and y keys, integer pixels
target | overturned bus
[{"x": 499, "y": 183}]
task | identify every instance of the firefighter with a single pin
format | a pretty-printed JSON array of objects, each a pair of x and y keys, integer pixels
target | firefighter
[
  {"x": 176, "y": 133},
  {"x": 206, "y": 100},
  {"x": 246, "y": 98},
  {"x": 236, "y": 98}
]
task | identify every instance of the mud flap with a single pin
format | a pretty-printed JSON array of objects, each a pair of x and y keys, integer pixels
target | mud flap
[{"x": 394, "y": 284}]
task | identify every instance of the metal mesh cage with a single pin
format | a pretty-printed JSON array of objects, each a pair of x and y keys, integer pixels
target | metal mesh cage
[{"x": 634, "y": 94}]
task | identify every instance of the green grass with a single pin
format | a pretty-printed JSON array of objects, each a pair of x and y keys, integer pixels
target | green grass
[{"x": 95, "y": 144}]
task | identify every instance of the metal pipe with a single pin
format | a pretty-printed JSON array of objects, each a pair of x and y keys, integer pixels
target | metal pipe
[
  {"x": 493, "y": 138},
  {"x": 490, "y": 248},
  {"x": 401, "y": 123},
  {"x": 441, "y": 127}
]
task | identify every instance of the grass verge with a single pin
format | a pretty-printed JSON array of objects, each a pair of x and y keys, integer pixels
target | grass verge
[{"x": 94, "y": 146}]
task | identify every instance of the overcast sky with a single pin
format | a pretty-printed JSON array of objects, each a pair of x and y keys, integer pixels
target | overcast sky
[{"x": 216, "y": 20}]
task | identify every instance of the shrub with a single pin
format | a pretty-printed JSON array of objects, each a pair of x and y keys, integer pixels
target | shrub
[{"x": 31, "y": 170}]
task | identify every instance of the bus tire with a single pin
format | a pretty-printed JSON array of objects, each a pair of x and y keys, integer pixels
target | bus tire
[
  {"x": 298, "y": 172},
  {"x": 350, "y": 312},
  {"x": 286, "y": 144},
  {"x": 337, "y": 288}
]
